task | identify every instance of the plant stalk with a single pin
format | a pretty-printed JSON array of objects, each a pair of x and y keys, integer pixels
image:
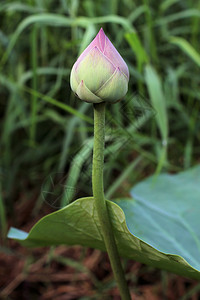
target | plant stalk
[{"x": 100, "y": 202}]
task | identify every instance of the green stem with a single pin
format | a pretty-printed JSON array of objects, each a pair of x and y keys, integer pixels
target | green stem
[{"x": 100, "y": 202}]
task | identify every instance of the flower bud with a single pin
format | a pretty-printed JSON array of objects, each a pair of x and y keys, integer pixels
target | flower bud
[{"x": 100, "y": 74}]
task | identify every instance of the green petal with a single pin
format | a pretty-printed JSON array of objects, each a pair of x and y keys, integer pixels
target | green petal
[
  {"x": 73, "y": 80},
  {"x": 115, "y": 88},
  {"x": 85, "y": 94},
  {"x": 95, "y": 69}
]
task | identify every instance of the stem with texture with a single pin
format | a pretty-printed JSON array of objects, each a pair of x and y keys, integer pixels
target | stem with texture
[{"x": 100, "y": 202}]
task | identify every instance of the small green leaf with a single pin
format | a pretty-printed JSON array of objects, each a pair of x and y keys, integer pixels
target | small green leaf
[{"x": 161, "y": 228}]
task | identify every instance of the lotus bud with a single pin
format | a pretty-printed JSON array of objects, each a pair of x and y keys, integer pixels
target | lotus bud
[{"x": 100, "y": 74}]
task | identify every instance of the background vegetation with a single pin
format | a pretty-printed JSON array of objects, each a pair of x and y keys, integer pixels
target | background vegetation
[{"x": 46, "y": 132}]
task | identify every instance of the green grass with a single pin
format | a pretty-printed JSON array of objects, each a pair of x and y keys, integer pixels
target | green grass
[{"x": 44, "y": 126}]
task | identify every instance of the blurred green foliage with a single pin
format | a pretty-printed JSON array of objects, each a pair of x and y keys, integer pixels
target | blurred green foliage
[{"x": 46, "y": 130}]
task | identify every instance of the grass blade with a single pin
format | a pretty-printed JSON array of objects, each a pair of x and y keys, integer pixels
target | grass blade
[{"x": 187, "y": 48}]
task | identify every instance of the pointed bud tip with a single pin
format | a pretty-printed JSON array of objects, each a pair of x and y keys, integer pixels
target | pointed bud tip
[
  {"x": 101, "y": 37},
  {"x": 101, "y": 32}
]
